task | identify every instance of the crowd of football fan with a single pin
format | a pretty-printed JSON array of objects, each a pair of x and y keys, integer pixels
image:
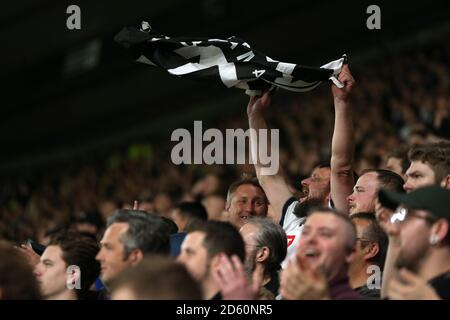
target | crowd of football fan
[{"x": 370, "y": 218}]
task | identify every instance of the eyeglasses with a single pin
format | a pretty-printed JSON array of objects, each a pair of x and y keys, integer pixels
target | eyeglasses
[
  {"x": 251, "y": 245},
  {"x": 402, "y": 214},
  {"x": 364, "y": 241}
]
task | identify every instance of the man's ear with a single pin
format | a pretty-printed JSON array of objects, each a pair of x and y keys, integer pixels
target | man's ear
[
  {"x": 371, "y": 251},
  {"x": 440, "y": 229},
  {"x": 227, "y": 205},
  {"x": 73, "y": 277},
  {"x": 445, "y": 183},
  {"x": 183, "y": 222},
  {"x": 215, "y": 262},
  {"x": 262, "y": 254},
  {"x": 135, "y": 257}
]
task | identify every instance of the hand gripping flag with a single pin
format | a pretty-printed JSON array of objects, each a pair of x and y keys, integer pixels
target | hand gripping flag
[{"x": 231, "y": 62}]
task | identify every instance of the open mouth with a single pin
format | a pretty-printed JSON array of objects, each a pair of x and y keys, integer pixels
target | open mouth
[
  {"x": 311, "y": 253},
  {"x": 305, "y": 191},
  {"x": 243, "y": 217}
]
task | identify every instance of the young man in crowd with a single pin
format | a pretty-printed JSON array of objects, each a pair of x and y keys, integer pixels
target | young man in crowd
[
  {"x": 67, "y": 268},
  {"x": 423, "y": 259},
  {"x": 397, "y": 161},
  {"x": 202, "y": 249},
  {"x": 430, "y": 165},
  {"x": 185, "y": 214},
  {"x": 366, "y": 189},
  {"x": 17, "y": 281},
  {"x": 156, "y": 278}
]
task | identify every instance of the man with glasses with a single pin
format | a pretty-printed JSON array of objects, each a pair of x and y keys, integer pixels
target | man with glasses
[
  {"x": 370, "y": 253},
  {"x": 265, "y": 246},
  {"x": 423, "y": 261},
  {"x": 429, "y": 166}
]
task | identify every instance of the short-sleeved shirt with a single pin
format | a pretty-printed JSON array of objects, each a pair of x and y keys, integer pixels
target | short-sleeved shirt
[
  {"x": 293, "y": 227},
  {"x": 441, "y": 284}
]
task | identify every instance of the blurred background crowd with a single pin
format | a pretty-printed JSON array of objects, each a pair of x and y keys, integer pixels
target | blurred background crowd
[{"x": 402, "y": 98}]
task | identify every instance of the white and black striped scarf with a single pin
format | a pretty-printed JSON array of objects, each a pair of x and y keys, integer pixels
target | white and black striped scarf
[{"x": 231, "y": 62}]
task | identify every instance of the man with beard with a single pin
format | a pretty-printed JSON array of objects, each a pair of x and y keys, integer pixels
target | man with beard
[
  {"x": 291, "y": 210},
  {"x": 429, "y": 166},
  {"x": 423, "y": 260},
  {"x": 365, "y": 191},
  {"x": 265, "y": 247}
]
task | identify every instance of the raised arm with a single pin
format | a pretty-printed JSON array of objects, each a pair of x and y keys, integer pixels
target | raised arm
[
  {"x": 384, "y": 216},
  {"x": 274, "y": 186},
  {"x": 342, "y": 147}
]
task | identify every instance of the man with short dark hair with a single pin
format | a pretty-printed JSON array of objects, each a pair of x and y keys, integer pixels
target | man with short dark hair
[
  {"x": 156, "y": 278},
  {"x": 366, "y": 189},
  {"x": 370, "y": 253},
  {"x": 423, "y": 259},
  {"x": 17, "y": 281},
  {"x": 397, "y": 160},
  {"x": 131, "y": 234},
  {"x": 215, "y": 206},
  {"x": 68, "y": 250},
  {"x": 202, "y": 249},
  {"x": 185, "y": 214},
  {"x": 430, "y": 164},
  {"x": 266, "y": 246},
  {"x": 245, "y": 198}
]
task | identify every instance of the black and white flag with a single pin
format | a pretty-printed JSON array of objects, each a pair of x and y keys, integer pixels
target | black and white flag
[{"x": 231, "y": 62}]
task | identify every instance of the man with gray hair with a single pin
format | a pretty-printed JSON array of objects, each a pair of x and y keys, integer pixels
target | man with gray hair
[
  {"x": 130, "y": 234},
  {"x": 265, "y": 247}
]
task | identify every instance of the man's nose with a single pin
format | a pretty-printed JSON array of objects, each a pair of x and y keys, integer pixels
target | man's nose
[
  {"x": 305, "y": 182},
  {"x": 249, "y": 207},
  {"x": 350, "y": 198},
  {"x": 310, "y": 238},
  {"x": 407, "y": 186},
  {"x": 99, "y": 255},
  {"x": 37, "y": 270}
]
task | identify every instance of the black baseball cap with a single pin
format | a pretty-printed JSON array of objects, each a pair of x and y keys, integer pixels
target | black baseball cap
[{"x": 434, "y": 199}]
